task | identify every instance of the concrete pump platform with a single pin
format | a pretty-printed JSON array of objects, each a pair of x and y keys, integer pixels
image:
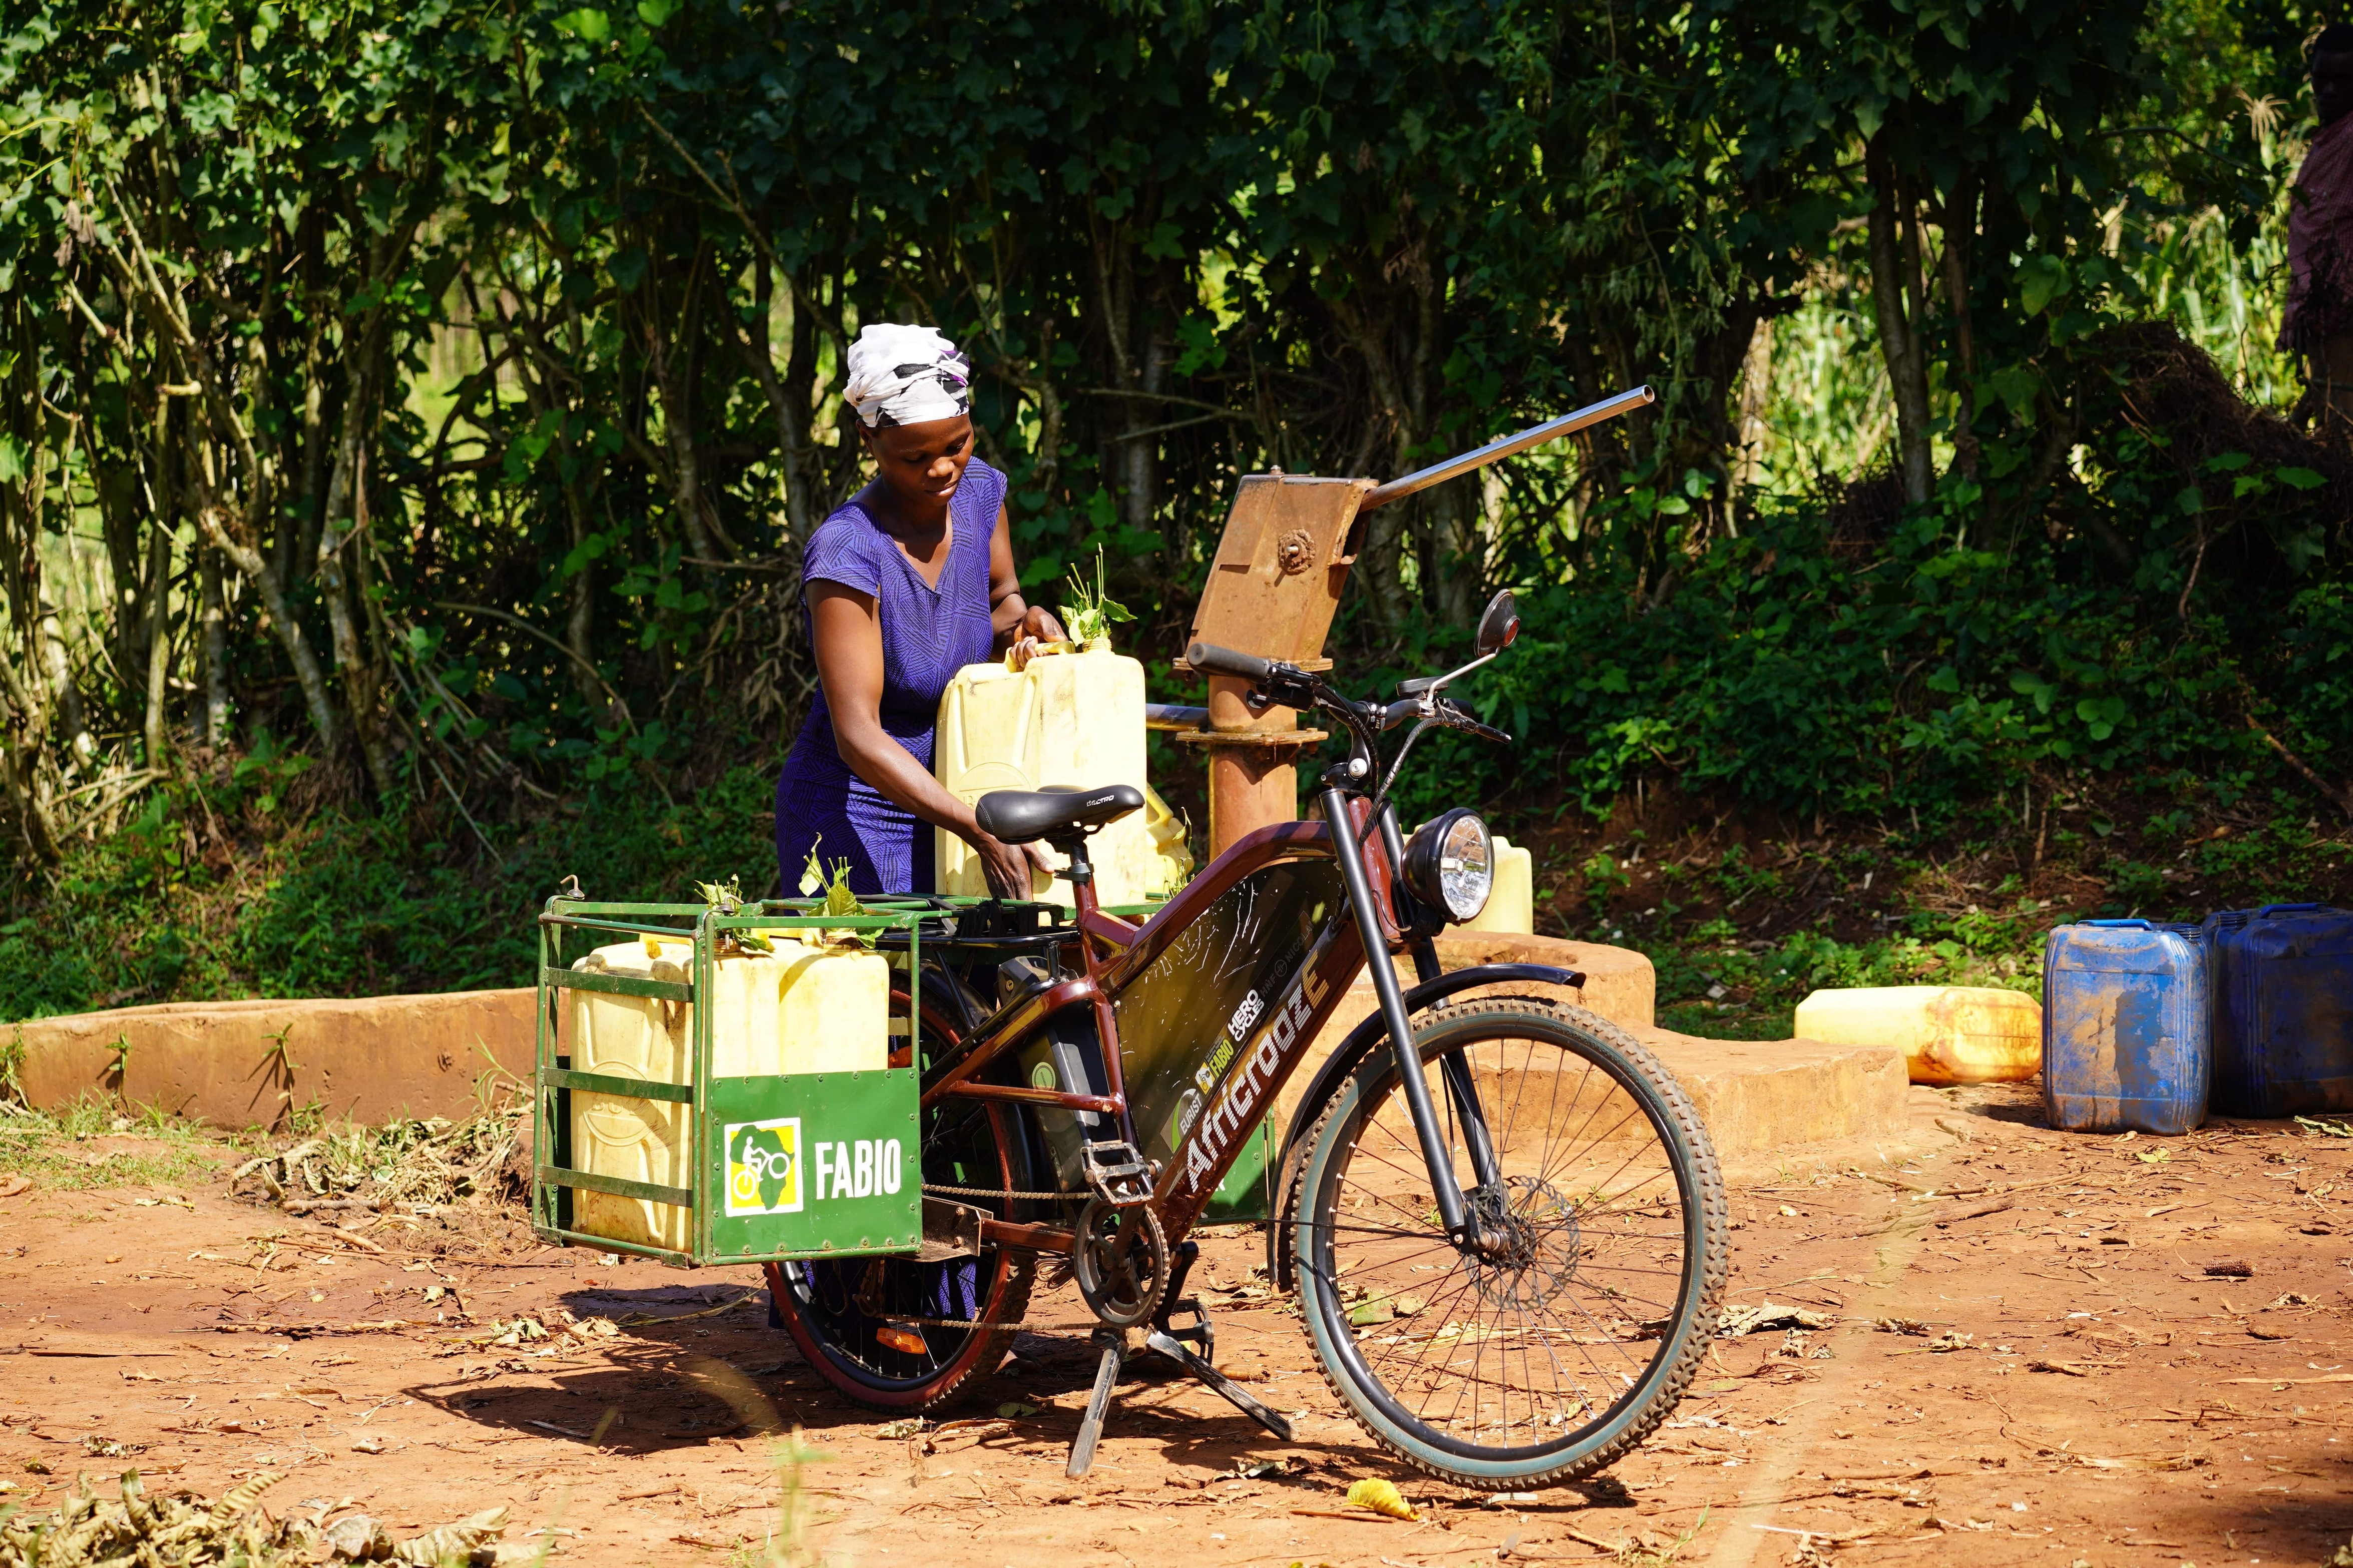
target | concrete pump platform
[{"x": 241, "y": 1064}]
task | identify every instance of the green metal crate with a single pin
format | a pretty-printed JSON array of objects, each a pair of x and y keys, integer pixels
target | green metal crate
[{"x": 786, "y": 1167}]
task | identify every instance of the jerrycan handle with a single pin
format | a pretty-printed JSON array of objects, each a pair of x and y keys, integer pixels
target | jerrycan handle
[
  {"x": 2276, "y": 908},
  {"x": 2143, "y": 925}
]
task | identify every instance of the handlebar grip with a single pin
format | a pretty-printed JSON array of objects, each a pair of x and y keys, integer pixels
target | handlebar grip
[{"x": 1208, "y": 658}]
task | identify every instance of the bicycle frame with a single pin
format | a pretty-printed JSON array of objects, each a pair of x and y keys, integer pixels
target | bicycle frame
[{"x": 1364, "y": 929}]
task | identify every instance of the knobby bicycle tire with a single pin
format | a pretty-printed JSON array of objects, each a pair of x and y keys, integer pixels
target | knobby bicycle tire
[{"x": 1557, "y": 1247}]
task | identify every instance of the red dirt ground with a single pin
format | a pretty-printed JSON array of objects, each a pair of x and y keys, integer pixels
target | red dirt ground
[{"x": 2114, "y": 1402}]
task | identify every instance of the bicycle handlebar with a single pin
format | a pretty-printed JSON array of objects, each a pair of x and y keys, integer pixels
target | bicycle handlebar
[
  {"x": 1299, "y": 687},
  {"x": 1208, "y": 658}
]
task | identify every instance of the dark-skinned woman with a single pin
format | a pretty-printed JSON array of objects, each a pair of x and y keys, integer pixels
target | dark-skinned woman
[{"x": 901, "y": 587}]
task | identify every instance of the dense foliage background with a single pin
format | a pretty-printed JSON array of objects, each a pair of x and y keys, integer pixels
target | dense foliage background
[{"x": 412, "y": 414}]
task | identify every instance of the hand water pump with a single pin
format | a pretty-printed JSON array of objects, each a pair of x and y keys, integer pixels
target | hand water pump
[{"x": 1274, "y": 586}]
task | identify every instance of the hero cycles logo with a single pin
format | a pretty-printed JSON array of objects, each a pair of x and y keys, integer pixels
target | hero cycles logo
[
  {"x": 1239, "y": 1104},
  {"x": 765, "y": 1163}
]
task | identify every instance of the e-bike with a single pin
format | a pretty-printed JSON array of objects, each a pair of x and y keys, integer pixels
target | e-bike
[{"x": 1502, "y": 1216}]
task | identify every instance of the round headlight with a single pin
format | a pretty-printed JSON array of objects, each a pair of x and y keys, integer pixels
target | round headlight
[{"x": 1449, "y": 864}]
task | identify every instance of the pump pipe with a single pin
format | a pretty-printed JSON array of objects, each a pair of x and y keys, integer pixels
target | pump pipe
[{"x": 1535, "y": 436}]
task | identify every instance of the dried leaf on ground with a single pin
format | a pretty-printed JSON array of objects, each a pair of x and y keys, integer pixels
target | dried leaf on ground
[
  {"x": 1739, "y": 1322},
  {"x": 357, "y": 1538},
  {"x": 241, "y": 1499},
  {"x": 1380, "y": 1497},
  {"x": 473, "y": 1539},
  {"x": 91, "y": 1531},
  {"x": 401, "y": 1165}
]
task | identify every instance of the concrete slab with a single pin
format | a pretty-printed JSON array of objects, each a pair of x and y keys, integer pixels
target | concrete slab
[
  {"x": 1763, "y": 1097},
  {"x": 1620, "y": 983},
  {"x": 240, "y": 1064}
]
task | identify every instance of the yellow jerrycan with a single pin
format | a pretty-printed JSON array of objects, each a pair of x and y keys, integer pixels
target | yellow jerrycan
[
  {"x": 1512, "y": 903},
  {"x": 801, "y": 1009},
  {"x": 1074, "y": 719},
  {"x": 1948, "y": 1034}
]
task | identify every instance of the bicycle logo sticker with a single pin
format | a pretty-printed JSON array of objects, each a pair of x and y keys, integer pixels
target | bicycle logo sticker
[{"x": 764, "y": 1166}]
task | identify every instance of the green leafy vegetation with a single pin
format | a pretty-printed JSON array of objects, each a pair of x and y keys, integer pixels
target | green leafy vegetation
[
  {"x": 416, "y": 413},
  {"x": 1091, "y": 612},
  {"x": 207, "y": 903},
  {"x": 1741, "y": 932}
]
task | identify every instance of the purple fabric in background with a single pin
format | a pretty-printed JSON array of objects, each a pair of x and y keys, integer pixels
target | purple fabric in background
[{"x": 928, "y": 634}]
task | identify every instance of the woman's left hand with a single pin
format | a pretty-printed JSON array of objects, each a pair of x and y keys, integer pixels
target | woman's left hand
[{"x": 1038, "y": 627}]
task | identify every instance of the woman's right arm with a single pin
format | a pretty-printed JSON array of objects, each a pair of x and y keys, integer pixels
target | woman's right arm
[{"x": 848, "y": 629}]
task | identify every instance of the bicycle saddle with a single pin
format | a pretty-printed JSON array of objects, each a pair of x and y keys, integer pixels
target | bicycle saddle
[{"x": 1024, "y": 816}]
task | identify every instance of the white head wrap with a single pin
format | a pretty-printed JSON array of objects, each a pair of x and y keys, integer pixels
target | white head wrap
[{"x": 906, "y": 376}]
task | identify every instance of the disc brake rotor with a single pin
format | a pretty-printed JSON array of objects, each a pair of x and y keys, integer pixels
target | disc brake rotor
[
  {"x": 1533, "y": 1244},
  {"x": 1121, "y": 1281}
]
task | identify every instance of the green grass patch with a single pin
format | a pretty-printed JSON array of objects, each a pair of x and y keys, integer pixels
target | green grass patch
[
  {"x": 92, "y": 1143},
  {"x": 1720, "y": 987}
]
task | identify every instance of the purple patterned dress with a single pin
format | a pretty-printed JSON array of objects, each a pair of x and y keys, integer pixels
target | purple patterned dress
[{"x": 928, "y": 634}]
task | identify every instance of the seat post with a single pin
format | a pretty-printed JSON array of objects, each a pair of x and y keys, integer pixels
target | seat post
[{"x": 1081, "y": 876}]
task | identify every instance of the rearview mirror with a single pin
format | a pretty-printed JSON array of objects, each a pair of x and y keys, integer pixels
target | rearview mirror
[{"x": 1500, "y": 624}]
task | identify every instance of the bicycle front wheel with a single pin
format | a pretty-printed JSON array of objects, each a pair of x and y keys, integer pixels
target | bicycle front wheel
[{"x": 1556, "y": 1345}]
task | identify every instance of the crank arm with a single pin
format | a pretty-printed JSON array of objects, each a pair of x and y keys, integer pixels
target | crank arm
[
  {"x": 1158, "y": 1340},
  {"x": 1028, "y": 1237}
]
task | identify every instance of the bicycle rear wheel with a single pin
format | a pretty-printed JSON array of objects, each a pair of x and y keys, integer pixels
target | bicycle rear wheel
[
  {"x": 1554, "y": 1351},
  {"x": 899, "y": 1335}
]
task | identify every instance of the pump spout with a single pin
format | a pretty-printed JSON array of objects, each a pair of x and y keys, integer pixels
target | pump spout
[{"x": 1535, "y": 436}]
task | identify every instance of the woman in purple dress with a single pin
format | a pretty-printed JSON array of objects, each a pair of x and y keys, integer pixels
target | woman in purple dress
[{"x": 901, "y": 587}]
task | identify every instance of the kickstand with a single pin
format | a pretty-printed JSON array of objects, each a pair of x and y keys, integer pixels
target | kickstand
[
  {"x": 1160, "y": 1340},
  {"x": 1113, "y": 1345}
]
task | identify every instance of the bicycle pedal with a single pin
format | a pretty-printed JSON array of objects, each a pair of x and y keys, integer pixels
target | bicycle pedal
[
  {"x": 1119, "y": 1175},
  {"x": 1187, "y": 1304},
  {"x": 1199, "y": 1332}
]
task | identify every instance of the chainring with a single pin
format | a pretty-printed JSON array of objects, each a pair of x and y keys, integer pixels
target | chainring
[{"x": 1121, "y": 1284}]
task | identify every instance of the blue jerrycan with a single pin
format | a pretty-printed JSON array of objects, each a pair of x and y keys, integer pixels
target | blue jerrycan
[
  {"x": 2283, "y": 1009},
  {"x": 2125, "y": 1026}
]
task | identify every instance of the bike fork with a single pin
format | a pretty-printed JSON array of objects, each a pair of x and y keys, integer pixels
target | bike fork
[{"x": 1461, "y": 1225}]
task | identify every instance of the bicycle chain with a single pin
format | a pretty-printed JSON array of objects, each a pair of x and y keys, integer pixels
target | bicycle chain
[
  {"x": 1001, "y": 1193},
  {"x": 956, "y": 1323}
]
